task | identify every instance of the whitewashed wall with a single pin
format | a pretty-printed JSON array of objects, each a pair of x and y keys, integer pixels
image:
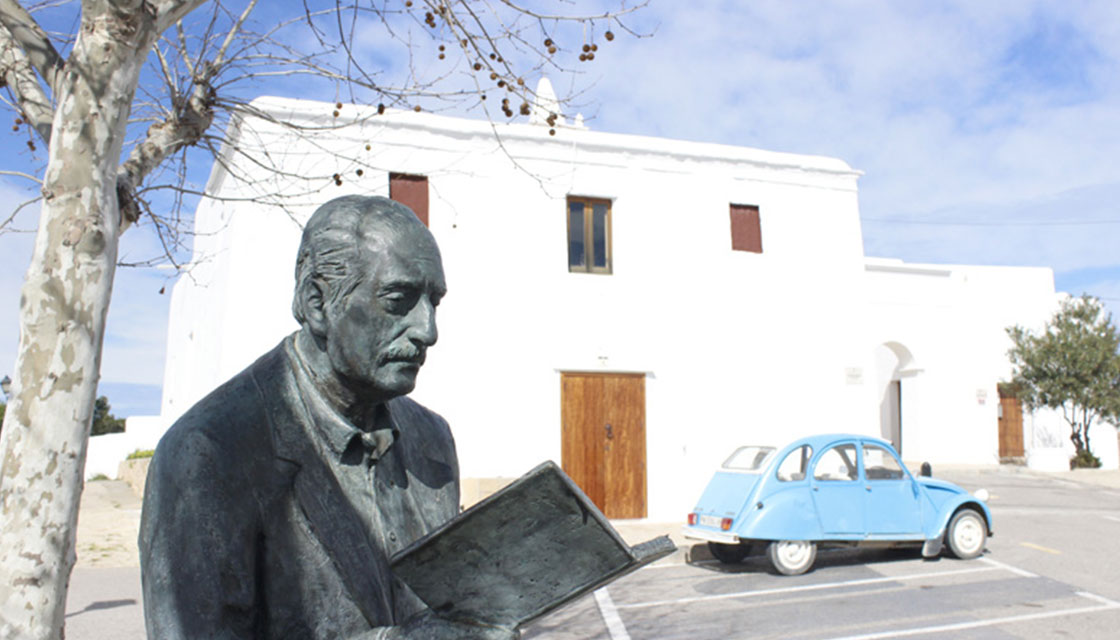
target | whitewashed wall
[
  {"x": 737, "y": 347},
  {"x": 951, "y": 319}
]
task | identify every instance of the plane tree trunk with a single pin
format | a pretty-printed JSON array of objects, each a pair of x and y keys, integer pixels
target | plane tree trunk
[{"x": 63, "y": 306}]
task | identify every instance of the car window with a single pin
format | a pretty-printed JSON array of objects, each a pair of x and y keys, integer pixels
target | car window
[
  {"x": 879, "y": 464},
  {"x": 749, "y": 458},
  {"x": 795, "y": 464},
  {"x": 837, "y": 464}
]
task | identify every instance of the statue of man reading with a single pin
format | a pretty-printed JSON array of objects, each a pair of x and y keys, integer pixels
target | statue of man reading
[{"x": 273, "y": 505}]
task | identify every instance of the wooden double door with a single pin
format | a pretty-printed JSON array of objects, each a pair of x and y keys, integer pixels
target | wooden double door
[{"x": 603, "y": 444}]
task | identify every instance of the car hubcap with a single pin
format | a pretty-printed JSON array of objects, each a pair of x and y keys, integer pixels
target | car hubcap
[
  {"x": 793, "y": 553},
  {"x": 968, "y": 535}
]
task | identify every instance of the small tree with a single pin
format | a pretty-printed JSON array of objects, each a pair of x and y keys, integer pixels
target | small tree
[
  {"x": 103, "y": 421},
  {"x": 1073, "y": 365}
]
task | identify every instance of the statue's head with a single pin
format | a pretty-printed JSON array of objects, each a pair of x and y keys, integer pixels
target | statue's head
[{"x": 368, "y": 280}]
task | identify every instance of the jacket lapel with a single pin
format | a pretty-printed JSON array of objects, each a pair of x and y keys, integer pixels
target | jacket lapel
[{"x": 359, "y": 560}]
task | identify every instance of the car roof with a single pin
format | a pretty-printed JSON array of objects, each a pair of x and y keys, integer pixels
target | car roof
[{"x": 822, "y": 440}]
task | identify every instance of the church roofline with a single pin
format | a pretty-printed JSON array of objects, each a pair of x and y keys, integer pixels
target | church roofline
[{"x": 319, "y": 115}]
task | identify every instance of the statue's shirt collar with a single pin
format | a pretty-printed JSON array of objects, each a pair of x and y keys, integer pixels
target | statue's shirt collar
[{"x": 346, "y": 441}]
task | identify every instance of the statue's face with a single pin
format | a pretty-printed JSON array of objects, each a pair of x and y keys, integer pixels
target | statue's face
[{"x": 378, "y": 334}]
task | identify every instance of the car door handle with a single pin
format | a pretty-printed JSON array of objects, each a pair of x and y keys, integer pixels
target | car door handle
[{"x": 868, "y": 487}]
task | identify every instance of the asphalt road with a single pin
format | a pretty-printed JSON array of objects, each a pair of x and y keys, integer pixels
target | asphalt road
[{"x": 1051, "y": 571}]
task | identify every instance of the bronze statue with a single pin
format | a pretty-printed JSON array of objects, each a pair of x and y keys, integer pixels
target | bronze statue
[{"x": 273, "y": 505}]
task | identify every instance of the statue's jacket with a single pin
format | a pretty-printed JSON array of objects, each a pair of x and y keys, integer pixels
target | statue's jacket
[{"x": 246, "y": 534}]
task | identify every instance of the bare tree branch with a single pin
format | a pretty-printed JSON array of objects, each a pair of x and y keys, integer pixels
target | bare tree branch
[
  {"x": 168, "y": 12},
  {"x": 19, "y": 77},
  {"x": 184, "y": 126},
  {"x": 6, "y": 224},
  {"x": 20, "y": 174},
  {"x": 33, "y": 40}
]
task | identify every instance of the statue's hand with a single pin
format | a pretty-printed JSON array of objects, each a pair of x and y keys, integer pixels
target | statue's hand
[{"x": 428, "y": 626}]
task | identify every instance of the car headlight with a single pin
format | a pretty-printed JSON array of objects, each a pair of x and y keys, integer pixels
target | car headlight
[{"x": 981, "y": 494}]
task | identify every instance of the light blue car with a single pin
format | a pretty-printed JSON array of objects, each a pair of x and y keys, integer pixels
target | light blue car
[{"x": 838, "y": 489}]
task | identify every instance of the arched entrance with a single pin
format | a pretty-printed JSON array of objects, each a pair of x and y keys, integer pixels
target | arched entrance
[{"x": 895, "y": 366}]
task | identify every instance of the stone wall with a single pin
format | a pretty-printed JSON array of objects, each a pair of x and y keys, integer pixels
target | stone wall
[{"x": 135, "y": 473}]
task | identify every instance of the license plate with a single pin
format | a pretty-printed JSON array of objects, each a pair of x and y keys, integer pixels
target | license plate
[{"x": 710, "y": 521}]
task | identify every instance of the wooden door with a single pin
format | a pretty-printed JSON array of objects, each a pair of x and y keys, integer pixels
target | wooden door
[
  {"x": 1010, "y": 426},
  {"x": 603, "y": 442}
]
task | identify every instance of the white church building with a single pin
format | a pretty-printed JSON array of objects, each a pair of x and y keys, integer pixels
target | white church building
[{"x": 631, "y": 307}]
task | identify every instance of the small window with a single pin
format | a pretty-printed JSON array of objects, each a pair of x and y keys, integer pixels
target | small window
[
  {"x": 746, "y": 231},
  {"x": 749, "y": 458},
  {"x": 589, "y": 235},
  {"x": 838, "y": 464},
  {"x": 879, "y": 464},
  {"x": 795, "y": 465},
  {"x": 412, "y": 192}
]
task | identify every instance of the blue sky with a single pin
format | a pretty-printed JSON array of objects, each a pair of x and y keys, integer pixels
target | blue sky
[{"x": 988, "y": 133}]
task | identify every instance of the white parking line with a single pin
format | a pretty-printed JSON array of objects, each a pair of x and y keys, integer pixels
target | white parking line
[
  {"x": 1112, "y": 518},
  {"x": 807, "y": 587},
  {"x": 1105, "y": 605},
  {"x": 1017, "y": 571},
  {"x": 610, "y": 615},
  {"x": 1112, "y": 604},
  {"x": 668, "y": 565}
]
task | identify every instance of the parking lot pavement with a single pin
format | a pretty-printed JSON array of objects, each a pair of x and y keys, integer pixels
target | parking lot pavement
[
  {"x": 850, "y": 595},
  {"x": 1049, "y": 572},
  {"x": 104, "y": 604}
]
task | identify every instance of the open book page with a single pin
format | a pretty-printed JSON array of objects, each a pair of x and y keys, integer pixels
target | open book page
[{"x": 520, "y": 553}]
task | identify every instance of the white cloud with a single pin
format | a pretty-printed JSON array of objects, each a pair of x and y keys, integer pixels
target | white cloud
[{"x": 989, "y": 112}]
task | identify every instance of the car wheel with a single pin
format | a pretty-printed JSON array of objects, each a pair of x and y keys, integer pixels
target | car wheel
[
  {"x": 728, "y": 553},
  {"x": 792, "y": 557},
  {"x": 967, "y": 534}
]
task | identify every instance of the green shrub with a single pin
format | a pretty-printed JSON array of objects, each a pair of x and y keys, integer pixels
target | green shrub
[
  {"x": 98, "y": 477},
  {"x": 1084, "y": 460},
  {"x": 141, "y": 453}
]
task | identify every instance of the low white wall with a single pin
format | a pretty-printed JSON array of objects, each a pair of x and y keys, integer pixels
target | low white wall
[
  {"x": 1049, "y": 435},
  {"x": 106, "y": 452}
]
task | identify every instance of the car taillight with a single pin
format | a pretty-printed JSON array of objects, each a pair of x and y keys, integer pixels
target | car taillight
[
  {"x": 692, "y": 518},
  {"x": 725, "y": 524}
]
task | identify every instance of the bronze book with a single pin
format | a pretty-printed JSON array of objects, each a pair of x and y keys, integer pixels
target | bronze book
[{"x": 524, "y": 551}]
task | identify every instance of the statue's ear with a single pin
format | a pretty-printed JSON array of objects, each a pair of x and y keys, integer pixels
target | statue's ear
[{"x": 314, "y": 306}]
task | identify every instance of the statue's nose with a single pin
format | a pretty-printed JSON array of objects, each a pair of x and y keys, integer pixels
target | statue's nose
[{"x": 422, "y": 323}]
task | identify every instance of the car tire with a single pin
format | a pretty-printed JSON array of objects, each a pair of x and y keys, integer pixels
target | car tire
[
  {"x": 728, "y": 553},
  {"x": 792, "y": 557},
  {"x": 966, "y": 534}
]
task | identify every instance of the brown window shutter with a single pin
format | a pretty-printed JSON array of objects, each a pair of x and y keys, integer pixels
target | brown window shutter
[
  {"x": 412, "y": 192},
  {"x": 746, "y": 231}
]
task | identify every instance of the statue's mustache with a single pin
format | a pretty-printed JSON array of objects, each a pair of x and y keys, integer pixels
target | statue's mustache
[{"x": 402, "y": 353}]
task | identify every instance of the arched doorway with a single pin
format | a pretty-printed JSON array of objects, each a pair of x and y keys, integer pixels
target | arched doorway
[{"x": 895, "y": 365}]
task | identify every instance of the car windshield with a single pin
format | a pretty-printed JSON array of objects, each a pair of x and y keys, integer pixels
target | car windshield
[{"x": 749, "y": 458}]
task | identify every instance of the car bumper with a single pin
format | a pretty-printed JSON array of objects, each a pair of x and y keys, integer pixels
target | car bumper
[{"x": 711, "y": 536}]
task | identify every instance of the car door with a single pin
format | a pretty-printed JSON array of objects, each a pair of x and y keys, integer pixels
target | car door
[
  {"x": 837, "y": 494},
  {"x": 893, "y": 500}
]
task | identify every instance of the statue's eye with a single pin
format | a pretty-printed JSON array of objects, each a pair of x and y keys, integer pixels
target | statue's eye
[{"x": 399, "y": 300}]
